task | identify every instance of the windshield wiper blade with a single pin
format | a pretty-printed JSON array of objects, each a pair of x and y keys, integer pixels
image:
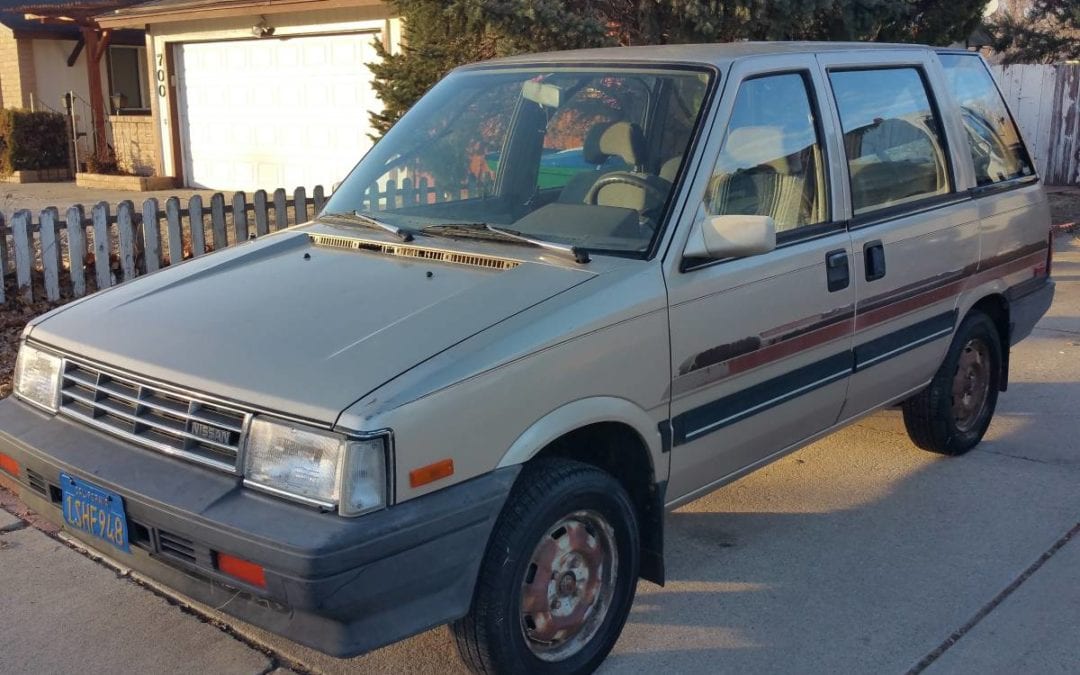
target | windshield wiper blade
[
  {"x": 365, "y": 219},
  {"x": 485, "y": 231}
]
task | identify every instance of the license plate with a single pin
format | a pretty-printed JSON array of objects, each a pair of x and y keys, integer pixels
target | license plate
[{"x": 95, "y": 511}]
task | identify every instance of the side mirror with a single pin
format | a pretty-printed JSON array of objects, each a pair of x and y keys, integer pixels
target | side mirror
[{"x": 733, "y": 236}]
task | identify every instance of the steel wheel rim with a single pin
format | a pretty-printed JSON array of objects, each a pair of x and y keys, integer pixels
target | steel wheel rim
[
  {"x": 568, "y": 585},
  {"x": 971, "y": 384}
]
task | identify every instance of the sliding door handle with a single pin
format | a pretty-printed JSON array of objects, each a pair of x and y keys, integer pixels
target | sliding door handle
[{"x": 874, "y": 259}]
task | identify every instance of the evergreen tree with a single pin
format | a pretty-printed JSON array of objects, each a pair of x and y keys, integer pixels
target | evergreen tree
[
  {"x": 442, "y": 34},
  {"x": 1049, "y": 31}
]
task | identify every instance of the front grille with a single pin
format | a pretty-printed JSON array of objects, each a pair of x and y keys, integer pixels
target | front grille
[
  {"x": 37, "y": 482},
  {"x": 176, "y": 546},
  {"x": 153, "y": 416}
]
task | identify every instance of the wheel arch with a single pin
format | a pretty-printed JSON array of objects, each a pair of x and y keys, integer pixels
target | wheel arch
[
  {"x": 620, "y": 438},
  {"x": 996, "y": 306}
]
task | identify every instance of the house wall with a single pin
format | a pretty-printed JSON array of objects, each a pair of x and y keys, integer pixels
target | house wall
[
  {"x": 55, "y": 78},
  {"x": 163, "y": 37},
  {"x": 17, "y": 77}
]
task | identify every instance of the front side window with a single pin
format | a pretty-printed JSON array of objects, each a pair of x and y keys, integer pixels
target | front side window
[
  {"x": 771, "y": 160},
  {"x": 571, "y": 155},
  {"x": 892, "y": 137},
  {"x": 993, "y": 139}
]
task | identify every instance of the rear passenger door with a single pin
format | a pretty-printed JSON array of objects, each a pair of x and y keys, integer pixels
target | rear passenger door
[
  {"x": 914, "y": 227},
  {"x": 761, "y": 344}
]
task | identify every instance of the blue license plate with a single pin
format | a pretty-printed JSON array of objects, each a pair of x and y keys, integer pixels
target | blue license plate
[{"x": 95, "y": 511}]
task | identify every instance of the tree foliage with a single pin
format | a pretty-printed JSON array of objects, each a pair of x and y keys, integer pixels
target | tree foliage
[
  {"x": 1049, "y": 31},
  {"x": 439, "y": 35}
]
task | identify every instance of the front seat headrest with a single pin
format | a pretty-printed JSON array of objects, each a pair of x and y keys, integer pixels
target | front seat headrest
[{"x": 620, "y": 139}]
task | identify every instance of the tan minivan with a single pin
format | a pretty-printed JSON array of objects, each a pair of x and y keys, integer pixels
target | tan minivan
[{"x": 564, "y": 293}]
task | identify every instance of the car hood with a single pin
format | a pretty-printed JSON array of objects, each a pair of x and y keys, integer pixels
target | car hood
[{"x": 282, "y": 324}]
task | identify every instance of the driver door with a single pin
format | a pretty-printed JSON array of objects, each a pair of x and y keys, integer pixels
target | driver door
[{"x": 761, "y": 345}]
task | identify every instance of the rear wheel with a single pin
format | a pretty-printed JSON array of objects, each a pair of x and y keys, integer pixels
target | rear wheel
[
  {"x": 559, "y": 575},
  {"x": 952, "y": 414}
]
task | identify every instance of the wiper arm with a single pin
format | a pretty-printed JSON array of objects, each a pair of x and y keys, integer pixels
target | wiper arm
[
  {"x": 579, "y": 254},
  {"x": 364, "y": 219},
  {"x": 485, "y": 231}
]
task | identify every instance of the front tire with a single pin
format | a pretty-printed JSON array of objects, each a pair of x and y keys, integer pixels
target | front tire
[
  {"x": 559, "y": 575},
  {"x": 951, "y": 415}
]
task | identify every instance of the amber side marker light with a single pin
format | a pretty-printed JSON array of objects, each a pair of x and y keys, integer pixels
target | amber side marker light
[
  {"x": 243, "y": 570},
  {"x": 431, "y": 473},
  {"x": 9, "y": 465}
]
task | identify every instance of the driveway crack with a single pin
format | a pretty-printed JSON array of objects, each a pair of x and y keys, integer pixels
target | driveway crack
[{"x": 990, "y": 606}]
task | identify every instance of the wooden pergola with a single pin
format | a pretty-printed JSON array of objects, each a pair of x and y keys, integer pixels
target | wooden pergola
[{"x": 93, "y": 39}]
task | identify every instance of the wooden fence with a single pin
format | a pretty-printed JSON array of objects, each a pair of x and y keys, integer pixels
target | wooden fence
[
  {"x": 1046, "y": 102},
  {"x": 76, "y": 252}
]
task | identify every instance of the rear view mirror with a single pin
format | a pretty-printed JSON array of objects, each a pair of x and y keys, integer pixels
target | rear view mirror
[
  {"x": 732, "y": 236},
  {"x": 547, "y": 95}
]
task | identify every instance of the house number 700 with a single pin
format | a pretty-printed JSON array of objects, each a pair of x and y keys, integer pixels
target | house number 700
[{"x": 159, "y": 74}]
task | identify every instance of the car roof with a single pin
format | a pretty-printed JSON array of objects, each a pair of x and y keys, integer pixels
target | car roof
[{"x": 704, "y": 54}]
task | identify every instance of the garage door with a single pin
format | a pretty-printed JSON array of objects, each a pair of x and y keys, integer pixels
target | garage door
[{"x": 274, "y": 113}]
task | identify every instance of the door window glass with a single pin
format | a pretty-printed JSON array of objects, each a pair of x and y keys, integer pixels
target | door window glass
[
  {"x": 770, "y": 163},
  {"x": 892, "y": 137},
  {"x": 994, "y": 142}
]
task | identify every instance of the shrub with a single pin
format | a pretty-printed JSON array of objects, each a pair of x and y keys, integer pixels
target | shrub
[{"x": 32, "y": 140}]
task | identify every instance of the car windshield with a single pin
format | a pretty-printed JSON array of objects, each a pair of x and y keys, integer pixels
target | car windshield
[{"x": 585, "y": 157}]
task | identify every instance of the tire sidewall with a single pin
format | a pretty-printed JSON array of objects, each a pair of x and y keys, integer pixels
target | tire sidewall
[
  {"x": 607, "y": 498},
  {"x": 976, "y": 325}
]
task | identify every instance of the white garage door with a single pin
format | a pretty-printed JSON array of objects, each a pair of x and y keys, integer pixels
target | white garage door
[{"x": 274, "y": 113}]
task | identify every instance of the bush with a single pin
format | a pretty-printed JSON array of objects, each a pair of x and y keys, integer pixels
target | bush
[{"x": 32, "y": 140}]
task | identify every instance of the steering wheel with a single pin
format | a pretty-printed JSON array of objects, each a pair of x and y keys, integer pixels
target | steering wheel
[{"x": 623, "y": 178}]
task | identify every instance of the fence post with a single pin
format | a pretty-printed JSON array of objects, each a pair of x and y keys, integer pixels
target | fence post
[
  {"x": 319, "y": 197},
  {"x": 262, "y": 214},
  {"x": 125, "y": 224},
  {"x": 176, "y": 232},
  {"x": 281, "y": 210},
  {"x": 50, "y": 252},
  {"x": 239, "y": 217},
  {"x": 151, "y": 222},
  {"x": 24, "y": 256},
  {"x": 102, "y": 244},
  {"x": 76, "y": 231},
  {"x": 3, "y": 258},
  {"x": 300, "y": 205},
  {"x": 391, "y": 195},
  {"x": 198, "y": 225},
  {"x": 217, "y": 221}
]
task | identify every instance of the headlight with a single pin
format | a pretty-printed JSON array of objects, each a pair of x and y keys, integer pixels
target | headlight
[
  {"x": 37, "y": 377},
  {"x": 316, "y": 467}
]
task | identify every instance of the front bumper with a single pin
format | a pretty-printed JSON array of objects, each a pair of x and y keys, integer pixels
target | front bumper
[{"x": 342, "y": 586}]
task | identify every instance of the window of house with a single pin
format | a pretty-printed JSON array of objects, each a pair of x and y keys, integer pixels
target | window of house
[
  {"x": 993, "y": 139},
  {"x": 128, "y": 79},
  {"x": 770, "y": 163},
  {"x": 892, "y": 137}
]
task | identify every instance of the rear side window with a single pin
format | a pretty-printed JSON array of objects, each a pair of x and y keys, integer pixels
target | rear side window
[
  {"x": 892, "y": 137},
  {"x": 994, "y": 141}
]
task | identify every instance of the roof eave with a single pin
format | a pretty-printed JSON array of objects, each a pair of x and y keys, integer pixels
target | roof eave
[{"x": 143, "y": 16}]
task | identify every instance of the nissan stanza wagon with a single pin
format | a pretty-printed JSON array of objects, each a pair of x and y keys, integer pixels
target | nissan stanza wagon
[{"x": 564, "y": 293}]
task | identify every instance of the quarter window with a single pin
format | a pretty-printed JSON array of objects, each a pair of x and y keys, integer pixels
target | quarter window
[
  {"x": 771, "y": 160},
  {"x": 892, "y": 137},
  {"x": 993, "y": 139}
]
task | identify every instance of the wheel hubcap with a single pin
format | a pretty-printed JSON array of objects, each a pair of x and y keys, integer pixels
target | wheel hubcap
[
  {"x": 971, "y": 384},
  {"x": 568, "y": 585}
]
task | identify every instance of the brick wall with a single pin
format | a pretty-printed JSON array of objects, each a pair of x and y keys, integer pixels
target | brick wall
[
  {"x": 133, "y": 141},
  {"x": 16, "y": 70}
]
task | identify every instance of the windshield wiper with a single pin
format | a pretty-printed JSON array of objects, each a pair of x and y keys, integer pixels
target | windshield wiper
[
  {"x": 485, "y": 231},
  {"x": 364, "y": 219}
]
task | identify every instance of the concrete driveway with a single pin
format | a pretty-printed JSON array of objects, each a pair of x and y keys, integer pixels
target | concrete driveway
[{"x": 859, "y": 553}]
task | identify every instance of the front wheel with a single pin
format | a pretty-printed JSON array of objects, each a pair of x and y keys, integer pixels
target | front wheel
[
  {"x": 558, "y": 577},
  {"x": 952, "y": 414}
]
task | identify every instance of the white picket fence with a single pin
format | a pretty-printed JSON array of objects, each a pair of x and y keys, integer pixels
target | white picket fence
[
  {"x": 76, "y": 253},
  {"x": 1045, "y": 99}
]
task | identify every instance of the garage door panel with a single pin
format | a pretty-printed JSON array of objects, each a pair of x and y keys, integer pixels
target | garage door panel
[{"x": 275, "y": 113}]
